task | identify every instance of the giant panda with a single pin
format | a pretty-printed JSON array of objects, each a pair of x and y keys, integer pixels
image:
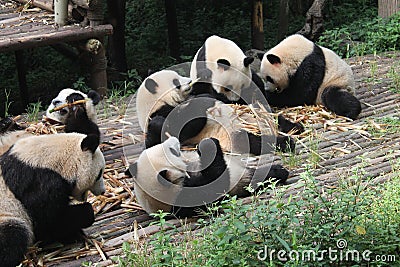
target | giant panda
[
  {"x": 181, "y": 182},
  {"x": 69, "y": 95},
  {"x": 299, "y": 72},
  {"x": 159, "y": 94},
  {"x": 223, "y": 65},
  {"x": 79, "y": 118},
  {"x": 38, "y": 175}
]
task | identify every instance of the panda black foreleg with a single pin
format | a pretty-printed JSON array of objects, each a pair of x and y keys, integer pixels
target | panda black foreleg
[
  {"x": 212, "y": 162},
  {"x": 14, "y": 238},
  {"x": 341, "y": 102},
  {"x": 153, "y": 135},
  {"x": 72, "y": 220}
]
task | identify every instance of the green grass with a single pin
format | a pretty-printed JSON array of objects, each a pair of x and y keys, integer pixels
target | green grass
[
  {"x": 33, "y": 110},
  {"x": 394, "y": 75},
  {"x": 356, "y": 212},
  {"x": 383, "y": 126}
]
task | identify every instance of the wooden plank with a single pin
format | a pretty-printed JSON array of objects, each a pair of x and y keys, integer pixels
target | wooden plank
[{"x": 64, "y": 34}]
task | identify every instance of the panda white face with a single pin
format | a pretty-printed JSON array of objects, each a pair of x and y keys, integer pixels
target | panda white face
[
  {"x": 160, "y": 88},
  {"x": 283, "y": 60},
  {"x": 62, "y": 98},
  {"x": 229, "y": 66}
]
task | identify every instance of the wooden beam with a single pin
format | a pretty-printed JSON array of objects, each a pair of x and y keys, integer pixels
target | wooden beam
[
  {"x": 43, "y": 4},
  {"x": 21, "y": 71},
  {"x": 49, "y": 37}
]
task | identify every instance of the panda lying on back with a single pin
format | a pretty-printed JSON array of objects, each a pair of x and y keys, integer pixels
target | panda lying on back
[
  {"x": 299, "y": 72},
  {"x": 181, "y": 182},
  {"x": 38, "y": 175},
  {"x": 79, "y": 118}
]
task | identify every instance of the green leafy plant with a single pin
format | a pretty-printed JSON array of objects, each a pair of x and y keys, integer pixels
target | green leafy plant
[
  {"x": 33, "y": 110},
  {"x": 7, "y": 103},
  {"x": 362, "y": 215}
]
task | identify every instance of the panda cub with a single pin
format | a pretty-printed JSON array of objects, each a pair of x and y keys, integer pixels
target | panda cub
[
  {"x": 223, "y": 65},
  {"x": 181, "y": 182},
  {"x": 36, "y": 188},
  {"x": 79, "y": 118},
  {"x": 299, "y": 72}
]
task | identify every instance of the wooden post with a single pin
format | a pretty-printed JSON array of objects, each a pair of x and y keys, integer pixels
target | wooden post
[
  {"x": 98, "y": 70},
  {"x": 386, "y": 8},
  {"x": 283, "y": 19},
  {"x": 116, "y": 42},
  {"x": 257, "y": 29},
  {"x": 21, "y": 70},
  {"x": 173, "y": 34}
]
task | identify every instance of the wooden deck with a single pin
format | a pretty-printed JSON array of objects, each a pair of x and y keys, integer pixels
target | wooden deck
[
  {"x": 339, "y": 149},
  {"x": 27, "y": 27}
]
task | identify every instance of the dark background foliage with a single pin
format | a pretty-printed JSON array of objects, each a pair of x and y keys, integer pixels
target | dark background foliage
[{"x": 347, "y": 22}]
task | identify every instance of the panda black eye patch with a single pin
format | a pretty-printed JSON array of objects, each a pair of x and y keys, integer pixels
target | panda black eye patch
[
  {"x": 269, "y": 79},
  {"x": 176, "y": 83},
  {"x": 175, "y": 152},
  {"x": 223, "y": 63},
  {"x": 99, "y": 175}
]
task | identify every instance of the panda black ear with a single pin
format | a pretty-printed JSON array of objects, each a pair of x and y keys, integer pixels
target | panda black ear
[
  {"x": 247, "y": 61},
  {"x": 223, "y": 63},
  {"x": 260, "y": 55},
  {"x": 273, "y": 59},
  {"x": 94, "y": 96},
  {"x": 132, "y": 171},
  {"x": 90, "y": 142},
  {"x": 151, "y": 85}
]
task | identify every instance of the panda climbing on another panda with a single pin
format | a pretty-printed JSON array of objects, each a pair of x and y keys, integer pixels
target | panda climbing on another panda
[
  {"x": 38, "y": 175},
  {"x": 180, "y": 182},
  {"x": 165, "y": 91},
  {"x": 299, "y": 72},
  {"x": 79, "y": 118}
]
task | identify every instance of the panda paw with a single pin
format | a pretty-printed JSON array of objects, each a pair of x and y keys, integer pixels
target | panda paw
[
  {"x": 208, "y": 145},
  {"x": 8, "y": 124},
  {"x": 278, "y": 172},
  {"x": 287, "y": 126},
  {"x": 285, "y": 144}
]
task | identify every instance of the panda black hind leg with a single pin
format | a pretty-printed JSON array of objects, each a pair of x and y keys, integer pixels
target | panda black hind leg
[
  {"x": 341, "y": 102},
  {"x": 14, "y": 239}
]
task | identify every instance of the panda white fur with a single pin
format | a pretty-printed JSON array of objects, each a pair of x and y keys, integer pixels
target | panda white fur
[
  {"x": 79, "y": 118},
  {"x": 223, "y": 64},
  {"x": 38, "y": 175},
  {"x": 300, "y": 72},
  {"x": 159, "y": 94},
  {"x": 180, "y": 183}
]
